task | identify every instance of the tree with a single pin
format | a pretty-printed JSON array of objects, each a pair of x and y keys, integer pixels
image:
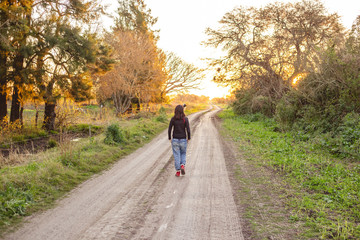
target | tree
[
  {"x": 133, "y": 15},
  {"x": 65, "y": 54},
  {"x": 4, "y": 49},
  {"x": 136, "y": 71},
  {"x": 182, "y": 76},
  {"x": 268, "y": 47},
  {"x": 14, "y": 21},
  {"x": 48, "y": 51}
]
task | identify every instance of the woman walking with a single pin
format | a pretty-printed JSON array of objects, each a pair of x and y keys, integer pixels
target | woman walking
[{"x": 180, "y": 138}]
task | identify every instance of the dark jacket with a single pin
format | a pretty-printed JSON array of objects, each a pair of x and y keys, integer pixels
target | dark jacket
[{"x": 179, "y": 128}]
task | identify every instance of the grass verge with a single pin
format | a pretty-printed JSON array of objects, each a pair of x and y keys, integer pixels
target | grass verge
[
  {"x": 321, "y": 192},
  {"x": 35, "y": 185}
]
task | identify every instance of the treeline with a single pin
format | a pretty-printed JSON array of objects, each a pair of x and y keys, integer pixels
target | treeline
[
  {"x": 52, "y": 49},
  {"x": 191, "y": 99},
  {"x": 297, "y": 63}
]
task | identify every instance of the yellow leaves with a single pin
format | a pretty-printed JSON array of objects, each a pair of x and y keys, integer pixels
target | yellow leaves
[
  {"x": 138, "y": 68},
  {"x": 68, "y": 113},
  {"x": 8, "y": 129}
]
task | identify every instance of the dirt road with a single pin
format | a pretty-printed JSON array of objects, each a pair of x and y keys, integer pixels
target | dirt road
[{"x": 140, "y": 198}]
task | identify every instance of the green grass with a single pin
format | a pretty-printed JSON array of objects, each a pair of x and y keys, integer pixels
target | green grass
[
  {"x": 35, "y": 185},
  {"x": 21, "y": 135},
  {"x": 85, "y": 128},
  {"x": 325, "y": 190}
]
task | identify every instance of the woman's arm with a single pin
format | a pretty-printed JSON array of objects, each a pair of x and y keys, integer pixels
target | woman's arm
[
  {"x": 187, "y": 126},
  {"x": 171, "y": 124}
]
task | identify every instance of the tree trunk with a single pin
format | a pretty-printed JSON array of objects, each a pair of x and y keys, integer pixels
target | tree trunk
[
  {"x": 36, "y": 115},
  {"x": 15, "y": 105},
  {"x": 21, "y": 116},
  {"x": 18, "y": 80},
  {"x": 50, "y": 104},
  {"x": 122, "y": 102},
  {"x": 49, "y": 116},
  {"x": 3, "y": 104},
  {"x": 3, "y": 72}
]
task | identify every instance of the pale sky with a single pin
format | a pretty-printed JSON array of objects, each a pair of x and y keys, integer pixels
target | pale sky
[{"x": 182, "y": 25}]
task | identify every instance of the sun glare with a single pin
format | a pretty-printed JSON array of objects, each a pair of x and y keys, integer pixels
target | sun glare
[
  {"x": 211, "y": 90},
  {"x": 298, "y": 77}
]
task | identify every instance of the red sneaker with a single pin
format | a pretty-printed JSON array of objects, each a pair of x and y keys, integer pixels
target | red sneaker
[
  {"x": 182, "y": 169},
  {"x": 177, "y": 174}
]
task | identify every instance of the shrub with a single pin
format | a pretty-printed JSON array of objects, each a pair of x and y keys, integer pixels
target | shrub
[
  {"x": 346, "y": 139},
  {"x": 161, "y": 118},
  {"x": 285, "y": 113},
  {"x": 52, "y": 143},
  {"x": 262, "y": 104},
  {"x": 114, "y": 135},
  {"x": 162, "y": 115},
  {"x": 242, "y": 104},
  {"x": 249, "y": 101},
  {"x": 162, "y": 110}
]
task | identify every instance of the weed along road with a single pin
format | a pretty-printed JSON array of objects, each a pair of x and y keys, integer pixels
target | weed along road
[{"x": 140, "y": 198}]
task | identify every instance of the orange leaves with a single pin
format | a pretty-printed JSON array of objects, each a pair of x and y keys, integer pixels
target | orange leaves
[{"x": 137, "y": 72}]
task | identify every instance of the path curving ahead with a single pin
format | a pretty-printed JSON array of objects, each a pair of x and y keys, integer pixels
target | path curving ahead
[{"x": 140, "y": 198}]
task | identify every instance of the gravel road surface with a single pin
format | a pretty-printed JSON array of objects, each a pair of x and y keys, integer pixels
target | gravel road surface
[{"x": 140, "y": 197}]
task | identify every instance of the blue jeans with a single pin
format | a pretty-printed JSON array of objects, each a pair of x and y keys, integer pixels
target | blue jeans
[{"x": 179, "y": 151}]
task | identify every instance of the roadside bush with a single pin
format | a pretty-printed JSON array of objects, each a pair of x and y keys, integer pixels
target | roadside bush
[
  {"x": 52, "y": 143},
  {"x": 262, "y": 104},
  {"x": 286, "y": 111},
  {"x": 162, "y": 115},
  {"x": 68, "y": 113},
  {"x": 114, "y": 135},
  {"x": 321, "y": 100},
  {"x": 345, "y": 140},
  {"x": 249, "y": 101},
  {"x": 242, "y": 103},
  {"x": 162, "y": 110},
  {"x": 9, "y": 130}
]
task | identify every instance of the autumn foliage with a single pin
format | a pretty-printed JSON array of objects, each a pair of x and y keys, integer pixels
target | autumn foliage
[{"x": 53, "y": 49}]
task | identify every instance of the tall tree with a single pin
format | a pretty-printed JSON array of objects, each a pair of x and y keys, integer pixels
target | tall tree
[
  {"x": 50, "y": 50},
  {"x": 138, "y": 70},
  {"x": 19, "y": 42},
  {"x": 182, "y": 76},
  {"x": 136, "y": 73},
  {"x": 133, "y": 15},
  {"x": 14, "y": 22},
  {"x": 268, "y": 47},
  {"x": 65, "y": 53},
  {"x": 4, "y": 21}
]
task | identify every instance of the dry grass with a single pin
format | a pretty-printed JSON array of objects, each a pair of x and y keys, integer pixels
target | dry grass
[{"x": 14, "y": 158}]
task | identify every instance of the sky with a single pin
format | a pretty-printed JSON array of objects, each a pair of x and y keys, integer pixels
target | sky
[{"x": 182, "y": 25}]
